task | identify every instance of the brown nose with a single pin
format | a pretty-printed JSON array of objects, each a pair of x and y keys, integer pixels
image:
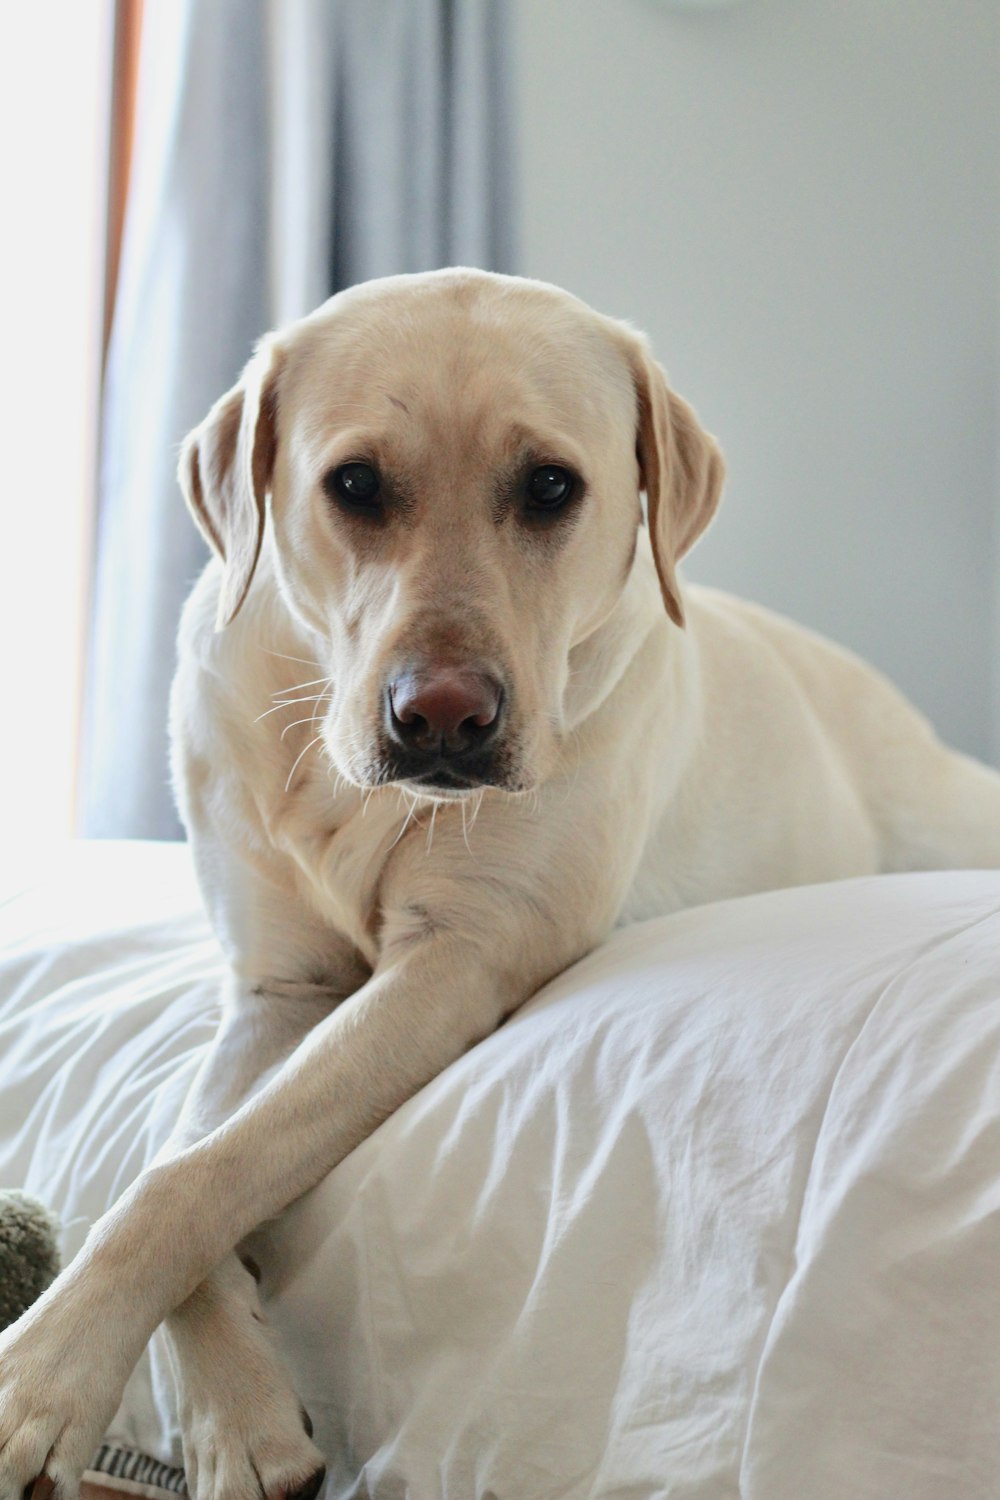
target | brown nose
[{"x": 442, "y": 711}]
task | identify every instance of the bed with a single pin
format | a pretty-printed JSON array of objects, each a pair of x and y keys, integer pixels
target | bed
[{"x": 717, "y": 1214}]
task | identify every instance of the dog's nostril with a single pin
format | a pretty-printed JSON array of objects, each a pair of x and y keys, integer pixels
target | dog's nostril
[
  {"x": 412, "y": 727},
  {"x": 404, "y": 713}
]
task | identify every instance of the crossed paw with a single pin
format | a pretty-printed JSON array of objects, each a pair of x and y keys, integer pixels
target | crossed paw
[
  {"x": 59, "y": 1389},
  {"x": 61, "y": 1380}
]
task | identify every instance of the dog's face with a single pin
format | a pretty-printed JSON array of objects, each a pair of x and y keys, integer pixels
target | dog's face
[{"x": 454, "y": 464}]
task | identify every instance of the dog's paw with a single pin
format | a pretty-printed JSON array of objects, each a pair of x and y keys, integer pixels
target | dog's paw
[
  {"x": 57, "y": 1396},
  {"x": 250, "y": 1447},
  {"x": 245, "y": 1433}
]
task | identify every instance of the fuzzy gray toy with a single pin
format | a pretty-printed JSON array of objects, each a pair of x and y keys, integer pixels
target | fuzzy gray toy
[{"x": 29, "y": 1253}]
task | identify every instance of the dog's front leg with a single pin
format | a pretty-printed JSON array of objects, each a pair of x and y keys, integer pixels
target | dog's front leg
[
  {"x": 242, "y": 1424},
  {"x": 63, "y": 1366},
  {"x": 219, "y": 1349}
]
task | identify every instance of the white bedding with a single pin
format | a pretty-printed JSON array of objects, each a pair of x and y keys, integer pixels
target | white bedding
[{"x": 716, "y": 1215}]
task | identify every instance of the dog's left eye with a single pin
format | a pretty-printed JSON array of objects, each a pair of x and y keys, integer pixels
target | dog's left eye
[
  {"x": 355, "y": 484},
  {"x": 549, "y": 487}
]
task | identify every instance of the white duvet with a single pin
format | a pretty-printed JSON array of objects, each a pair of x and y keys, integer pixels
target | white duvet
[{"x": 716, "y": 1215}]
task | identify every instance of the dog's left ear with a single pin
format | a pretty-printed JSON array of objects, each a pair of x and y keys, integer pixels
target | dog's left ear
[
  {"x": 682, "y": 472},
  {"x": 225, "y": 472}
]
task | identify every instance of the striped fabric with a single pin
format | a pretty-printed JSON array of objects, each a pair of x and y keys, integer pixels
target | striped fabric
[{"x": 138, "y": 1468}]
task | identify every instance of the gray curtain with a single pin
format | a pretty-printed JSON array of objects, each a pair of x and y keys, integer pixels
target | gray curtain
[{"x": 283, "y": 150}]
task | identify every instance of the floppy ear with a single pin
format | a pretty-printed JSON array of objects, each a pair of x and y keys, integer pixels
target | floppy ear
[
  {"x": 225, "y": 473},
  {"x": 682, "y": 472}
]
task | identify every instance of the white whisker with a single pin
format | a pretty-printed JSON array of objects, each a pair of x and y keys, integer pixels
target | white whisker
[
  {"x": 273, "y": 710},
  {"x": 296, "y": 687},
  {"x": 291, "y": 703},
  {"x": 310, "y": 720},
  {"x": 299, "y": 757},
  {"x": 305, "y": 660},
  {"x": 319, "y": 699},
  {"x": 406, "y": 823},
  {"x": 338, "y": 780}
]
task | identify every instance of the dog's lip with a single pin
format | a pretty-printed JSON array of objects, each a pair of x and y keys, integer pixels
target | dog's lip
[
  {"x": 445, "y": 781},
  {"x": 445, "y": 776},
  {"x": 442, "y": 778},
  {"x": 440, "y": 793}
]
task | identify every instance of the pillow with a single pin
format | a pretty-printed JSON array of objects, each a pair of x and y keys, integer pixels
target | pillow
[{"x": 717, "y": 1213}]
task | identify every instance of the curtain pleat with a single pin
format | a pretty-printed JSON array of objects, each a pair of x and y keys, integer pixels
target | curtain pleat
[{"x": 284, "y": 150}]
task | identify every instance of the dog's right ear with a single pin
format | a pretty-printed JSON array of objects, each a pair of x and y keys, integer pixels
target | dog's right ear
[{"x": 225, "y": 472}]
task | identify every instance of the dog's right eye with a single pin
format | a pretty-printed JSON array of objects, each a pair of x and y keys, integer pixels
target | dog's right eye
[{"x": 355, "y": 486}]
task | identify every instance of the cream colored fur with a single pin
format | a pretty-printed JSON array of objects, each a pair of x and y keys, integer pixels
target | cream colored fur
[{"x": 663, "y": 745}]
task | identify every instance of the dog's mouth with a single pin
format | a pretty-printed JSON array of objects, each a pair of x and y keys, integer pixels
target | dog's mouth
[
  {"x": 444, "y": 779},
  {"x": 449, "y": 776},
  {"x": 455, "y": 778}
]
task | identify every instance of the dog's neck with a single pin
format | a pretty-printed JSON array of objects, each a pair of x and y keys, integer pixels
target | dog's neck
[{"x": 598, "y": 663}]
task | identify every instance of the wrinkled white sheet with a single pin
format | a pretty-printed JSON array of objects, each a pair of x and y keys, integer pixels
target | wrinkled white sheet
[{"x": 716, "y": 1215}]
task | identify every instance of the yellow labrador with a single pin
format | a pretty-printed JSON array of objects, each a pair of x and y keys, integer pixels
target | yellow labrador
[{"x": 444, "y": 714}]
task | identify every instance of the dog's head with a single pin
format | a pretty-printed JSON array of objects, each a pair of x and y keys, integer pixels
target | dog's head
[{"x": 454, "y": 463}]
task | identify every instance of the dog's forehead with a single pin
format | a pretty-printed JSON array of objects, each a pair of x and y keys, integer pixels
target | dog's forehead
[{"x": 492, "y": 351}]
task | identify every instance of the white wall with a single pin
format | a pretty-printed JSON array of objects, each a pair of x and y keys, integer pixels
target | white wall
[
  {"x": 798, "y": 199},
  {"x": 55, "y": 91}
]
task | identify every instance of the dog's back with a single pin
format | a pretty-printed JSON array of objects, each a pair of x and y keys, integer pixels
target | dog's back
[{"x": 810, "y": 766}]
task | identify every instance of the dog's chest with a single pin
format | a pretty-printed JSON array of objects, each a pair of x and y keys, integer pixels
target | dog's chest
[{"x": 339, "y": 842}]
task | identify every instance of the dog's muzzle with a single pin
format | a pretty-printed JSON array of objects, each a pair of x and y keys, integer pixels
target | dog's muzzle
[{"x": 443, "y": 727}]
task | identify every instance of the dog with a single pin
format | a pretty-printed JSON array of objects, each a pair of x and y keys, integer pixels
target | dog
[{"x": 444, "y": 714}]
